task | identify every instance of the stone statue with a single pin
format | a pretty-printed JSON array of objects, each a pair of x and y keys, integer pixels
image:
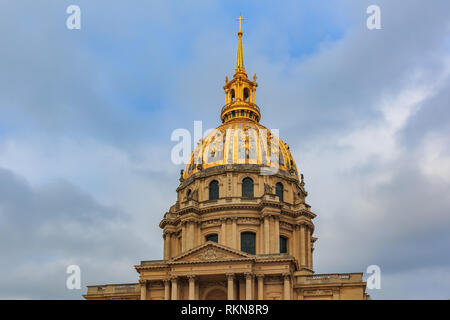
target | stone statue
[
  {"x": 267, "y": 189},
  {"x": 181, "y": 175}
]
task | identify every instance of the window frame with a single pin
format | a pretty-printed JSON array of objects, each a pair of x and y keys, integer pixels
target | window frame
[
  {"x": 282, "y": 191},
  {"x": 213, "y": 196},
  {"x": 249, "y": 249},
  {"x": 286, "y": 241},
  {"x": 212, "y": 234},
  {"x": 244, "y": 192}
]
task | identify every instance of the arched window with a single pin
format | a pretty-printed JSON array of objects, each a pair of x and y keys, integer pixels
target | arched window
[
  {"x": 247, "y": 188},
  {"x": 232, "y": 95},
  {"x": 248, "y": 242},
  {"x": 213, "y": 190},
  {"x": 189, "y": 194},
  {"x": 212, "y": 237},
  {"x": 246, "y": 94},
  {"x": 279, "y": 190},
  {"x": 283, "y": 244}
]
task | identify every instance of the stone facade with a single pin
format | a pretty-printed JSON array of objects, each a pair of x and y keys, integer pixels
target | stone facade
[{"x": 203, "y": 232}]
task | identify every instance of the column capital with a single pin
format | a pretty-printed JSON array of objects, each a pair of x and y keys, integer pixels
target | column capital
[
  {"x": 166, "y": 280},
  {"x": 249, "y": 275},
  {"x": 286, "y": 275},
  {"x": 260, "y": 275},
  {"x": 173, "y": 278},
  {"x": 230, "y": 276},
  {"x": 191, "y": 277},
  {"x": 143, "y": 282},
  {"x": 267, "y": 215}
]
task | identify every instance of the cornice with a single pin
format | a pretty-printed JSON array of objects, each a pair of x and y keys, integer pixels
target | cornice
[{"x": 195, "y": 214}]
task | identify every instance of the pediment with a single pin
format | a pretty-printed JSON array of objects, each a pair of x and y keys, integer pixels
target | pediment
[{"x": 211, "y": 251}]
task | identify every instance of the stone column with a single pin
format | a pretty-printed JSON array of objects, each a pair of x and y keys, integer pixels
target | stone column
[
  {"x": 190, "y": 235},
  {"x": 248, "y": 286},
  {"x": 266, "y": 235},
  {"x": 166, "y": 289},
  {"x": 174, "y": 288},
  {"x": 287, "y": 286},
  {"x": 260, "y": 286},
  {"x": 183, "y": 236},
  {"x": 276, "y": 221},
  {"x": 167, "y": 243},
  {"x": 230, "y": 287},
  {"x": 191, "y": 287},
  {"x": 302, "y": 246},
  {"x": 260, "y": 237},
  {"x": 169, "y": 249},
  {"x": 223, "y": 231},
  {"x": 143, "y": 284},
  {"x": 292, "y": 243},
  {"x": 234, "y": 233},
  {"x": 308, "y": 247}
]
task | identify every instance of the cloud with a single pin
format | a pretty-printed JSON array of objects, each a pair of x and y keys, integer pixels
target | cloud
[{"x": 47, "y": 228}]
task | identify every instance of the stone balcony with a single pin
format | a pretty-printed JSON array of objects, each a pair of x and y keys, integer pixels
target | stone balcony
[
  {"x": 112, "y": 289},
  {"x": 331, "y": 278}
]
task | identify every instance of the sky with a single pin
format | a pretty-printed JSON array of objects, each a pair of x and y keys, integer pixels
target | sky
[{"x": 86, "y": 118}]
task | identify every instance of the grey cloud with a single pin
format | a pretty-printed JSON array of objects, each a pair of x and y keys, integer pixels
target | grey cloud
[{"x": 46, "y": 228}]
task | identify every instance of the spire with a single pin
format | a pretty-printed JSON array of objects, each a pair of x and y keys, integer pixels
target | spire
[
  {"x": 240, "y": 91},
  {"x": 240, "y": 53}
]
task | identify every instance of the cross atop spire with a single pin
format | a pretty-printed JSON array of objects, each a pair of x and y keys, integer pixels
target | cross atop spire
[
  {"x": 240, "y": 54},
  {"x": 240, "y": 21}
]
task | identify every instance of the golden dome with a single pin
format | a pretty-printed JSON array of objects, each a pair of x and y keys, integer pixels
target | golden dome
[{"x": 241, "y": 140}]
